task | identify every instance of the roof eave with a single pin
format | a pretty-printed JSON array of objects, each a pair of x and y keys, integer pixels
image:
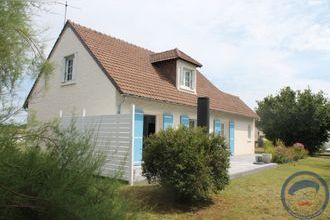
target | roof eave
[
  {"x": 177, "y": 103},
  {"x": 176, "y": 58}
]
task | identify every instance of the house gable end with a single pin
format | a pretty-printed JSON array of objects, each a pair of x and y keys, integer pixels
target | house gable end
[{"x": 67, "y": 26}]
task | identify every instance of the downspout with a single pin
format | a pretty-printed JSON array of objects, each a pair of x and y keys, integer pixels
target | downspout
[{"x": 119, "y": 105}]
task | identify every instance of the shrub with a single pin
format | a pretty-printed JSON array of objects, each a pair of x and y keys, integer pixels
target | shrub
[
  {"x": 299, "y": 152},
  {"x": 283, "y": 154},
  {"x": 51, "y": 174},
  {"x": 187, "y": 162}
]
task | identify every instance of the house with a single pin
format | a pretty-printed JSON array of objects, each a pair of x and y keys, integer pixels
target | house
[{"x": 96, "y": 74}]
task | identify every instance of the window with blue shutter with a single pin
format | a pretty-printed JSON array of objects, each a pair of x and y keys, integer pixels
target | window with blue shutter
[
  {"x": 217, "y": 126},
  {"x": 167, "y": 121},
  {"x": 184, "y": 120}
]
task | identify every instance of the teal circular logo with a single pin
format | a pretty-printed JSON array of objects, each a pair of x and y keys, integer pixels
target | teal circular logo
[{"x": 305, "y": 195}]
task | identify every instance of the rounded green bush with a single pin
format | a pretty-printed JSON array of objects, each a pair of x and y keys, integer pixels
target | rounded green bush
[{"x": 186, "y": 161}]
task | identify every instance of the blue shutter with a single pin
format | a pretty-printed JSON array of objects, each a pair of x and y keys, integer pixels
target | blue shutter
[
  {"x": 217, "y": 126},
  {"x": 138, "y": 136},
  {"x": 231, "y": 137},
  {"x": 167, "y": 121},
  {"x": 184, "y": 120}
]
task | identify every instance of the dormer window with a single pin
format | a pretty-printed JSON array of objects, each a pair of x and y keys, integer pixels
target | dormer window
[{"x": 187, "y": 78}]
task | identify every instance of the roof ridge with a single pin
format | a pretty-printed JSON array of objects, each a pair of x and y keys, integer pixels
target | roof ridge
[
  {"x": 108, "y": 35},
  {"x": 177, "y": 51}
]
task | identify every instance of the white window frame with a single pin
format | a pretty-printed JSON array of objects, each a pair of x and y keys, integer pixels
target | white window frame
[
  {"x": 183, "y": 79},
  {"x": 188, "y": 78},
  {"x": 67, "y": 59}
]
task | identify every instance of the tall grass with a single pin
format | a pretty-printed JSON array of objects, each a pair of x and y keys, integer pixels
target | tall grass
[
  {"x": 52, "y": 173},
  {"x": 283, "y": 154}
]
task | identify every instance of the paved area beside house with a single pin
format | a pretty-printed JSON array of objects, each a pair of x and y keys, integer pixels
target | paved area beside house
[
  {"x": 244, "y": 164},
  {"x": 239, "y": 166}
]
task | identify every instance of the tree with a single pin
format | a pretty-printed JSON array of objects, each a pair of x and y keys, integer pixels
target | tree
[
  {"x": 45, "y": 172},
  {"x": 20, "y": 51},
  {"x": 296, "y": 116}
]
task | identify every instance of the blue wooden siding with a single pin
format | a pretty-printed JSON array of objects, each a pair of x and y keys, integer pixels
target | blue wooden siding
[
  {"x": 231, "y": 137},
  {"x": 184, "y": 120},
  {"x": 217, "y": 126},
  {"x": 138, "y": 136},
  {"x": 167, "y": 121}
]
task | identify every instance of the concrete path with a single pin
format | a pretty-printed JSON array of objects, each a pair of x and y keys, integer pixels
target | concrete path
[{"x": 244, "y": 164}]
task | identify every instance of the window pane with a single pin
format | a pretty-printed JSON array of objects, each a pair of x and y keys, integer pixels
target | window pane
[
  {"x": 188, "y": 79},
  {"x": 68, "y": 68}
]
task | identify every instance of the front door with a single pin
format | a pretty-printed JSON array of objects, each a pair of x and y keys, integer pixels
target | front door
[
  {"x": 149, "y": 125},
  {"x": 231, "y": 136}
]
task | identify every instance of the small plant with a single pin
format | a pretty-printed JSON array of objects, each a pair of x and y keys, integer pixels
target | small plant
[
  {"x": 187, "y": 162},
  {"x": 269, "y": 148}
]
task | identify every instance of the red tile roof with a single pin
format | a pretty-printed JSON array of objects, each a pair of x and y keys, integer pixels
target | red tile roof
[
  {"x": 130, "y": 69},
  {"x": 173, "y": 54}
]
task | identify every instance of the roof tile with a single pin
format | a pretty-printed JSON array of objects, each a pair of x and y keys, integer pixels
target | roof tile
[{"x": 131, "y": 69}]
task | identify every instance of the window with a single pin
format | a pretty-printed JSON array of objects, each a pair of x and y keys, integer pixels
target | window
[
  {"x": 184, "y": 120},
  {"x": 68, "y": 74},
  {"x": 192, "y": 123},
  {"x": 167, "y": 120},
  {"x": 249, "y": 132},
  {"x": 187, "y": 78}
]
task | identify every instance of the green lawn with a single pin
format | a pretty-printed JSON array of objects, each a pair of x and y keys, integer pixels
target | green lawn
[{"x": 256, "y": 196}]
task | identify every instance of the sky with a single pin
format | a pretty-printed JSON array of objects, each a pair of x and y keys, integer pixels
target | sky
[{"x": 249, "y": 48}]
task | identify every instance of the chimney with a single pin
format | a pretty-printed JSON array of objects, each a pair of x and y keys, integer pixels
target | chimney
[{"x": 203, "y": 112}]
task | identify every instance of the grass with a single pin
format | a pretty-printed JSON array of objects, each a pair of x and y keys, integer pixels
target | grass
[{"x": 256, "y": 196}]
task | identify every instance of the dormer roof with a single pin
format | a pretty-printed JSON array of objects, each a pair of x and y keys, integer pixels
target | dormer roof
[{"x": 171, "y": 55}]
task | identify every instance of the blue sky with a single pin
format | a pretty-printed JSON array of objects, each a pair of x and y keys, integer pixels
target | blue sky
[{"x": 247, "y": 48}]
